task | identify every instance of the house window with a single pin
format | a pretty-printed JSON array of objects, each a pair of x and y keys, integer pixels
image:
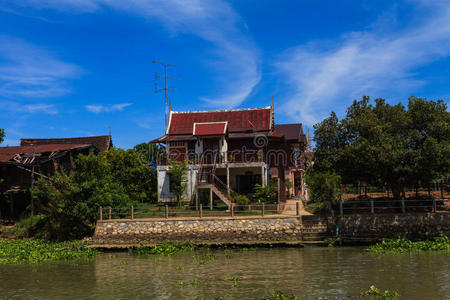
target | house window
[{"x": 177, "y": 144}]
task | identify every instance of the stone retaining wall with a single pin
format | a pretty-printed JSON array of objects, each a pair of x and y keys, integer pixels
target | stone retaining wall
[
  {"x": 374, "y": 227},
  {"x": 271, "y": 228},
  {"x": 199, "y": 230}
]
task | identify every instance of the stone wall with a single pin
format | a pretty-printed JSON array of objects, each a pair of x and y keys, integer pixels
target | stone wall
[
  {"x": 374, "y": 227},
  {"x": 223, "y": 229}
]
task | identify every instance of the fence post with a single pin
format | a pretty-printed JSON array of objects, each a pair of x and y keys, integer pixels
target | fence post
[
  {"x": 101, "y": 213},
  {"x": 297, "y": 208},
  {"x": 403, "y": 205},
  {"x": 201, "y": 210},
  {"x": 262, "y": 210},
  {"x": 166, "y": 211},
  {"x": 232, "y": 210},
  {"x": 109, "y": 212},
  {"x": 132, "y": 212},
  {"x": 434, "y": 205},
  {"x": 341, "y": 207},
  {"x": 372, "y": 209}
]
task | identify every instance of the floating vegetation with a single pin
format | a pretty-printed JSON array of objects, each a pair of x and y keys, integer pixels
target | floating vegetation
[
  {"x": 234, "y": 280},
  {"x": 34, "y": 250},
  {"x": 180, "y": 284},
  {"x": 165, "y": 249},
  {"x": 205, "y": 257},
  {"x": 216, "y": 298},
  {"x": 386, "y": 294},
  {"x": 179, "y": 268},
  {"x": 404, "y": 245},
  {"x": 196, "y": 282},
  {"x": 228, "y": 253},
  {"x": 332, "y": 242},
  {"x": 279, "y": 295},
  {"x": 248, "y": 249}
]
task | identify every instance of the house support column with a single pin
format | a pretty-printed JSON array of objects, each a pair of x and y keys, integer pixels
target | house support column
[
  {"x": 210, "y": 198},
  {"x": 196, "y": 198},
  {"x": 263, "y": 177},
  {"x": 228, "y": 181}
]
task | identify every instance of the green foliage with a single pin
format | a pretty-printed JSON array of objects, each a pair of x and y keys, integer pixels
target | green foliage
[
  {"x": 28, "y": 227},
  {"x": 71, "y": 201},
  {"x": 149, "y": 153},
  {"x": 234, "y": 280},
  {"x": 136, "y": 176},
  {"x": 386, "y": 144},
  {"x": 241, "y": 199},
  {"x": 267, "y": 193},
  {"x": 374, "y": 292},
  {"x": 2, "y": 135},
  {"x": 178, "y": 178},
  {"x": 279, "y": 295},
  {"x": 323, "y": 186},
  {"x": 332, "y": 241},
  {"x": 165, "y": 249},
  {"x": 404, "y": 245},
  {"x": 33, "y": 251}
]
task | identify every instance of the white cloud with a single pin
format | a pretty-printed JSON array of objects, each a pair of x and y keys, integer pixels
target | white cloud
[
  {"x": 328, "y": 75},
  {"x": 97, "y": 108},
  {"x": 16, "y": 107},
  {"x": 29, "y": 71},
  {"x": 212, "y": 20}
]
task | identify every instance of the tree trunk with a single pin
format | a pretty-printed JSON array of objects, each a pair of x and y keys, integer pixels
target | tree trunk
[{"x": 396, "y": 191}]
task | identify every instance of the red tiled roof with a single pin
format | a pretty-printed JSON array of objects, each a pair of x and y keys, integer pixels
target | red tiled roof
[
  {"x": 239, "y": 120},
  {"x": 8, "y": 153},
  {"x": 102, "y": 143},
  {"x": 290, "y": 131},
  {"x": 210, "y": 128}
]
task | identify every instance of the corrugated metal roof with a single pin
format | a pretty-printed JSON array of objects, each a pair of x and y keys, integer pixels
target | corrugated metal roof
[
  {"x": 102, "y": 142},
  {"x": 8, "y": 153}
]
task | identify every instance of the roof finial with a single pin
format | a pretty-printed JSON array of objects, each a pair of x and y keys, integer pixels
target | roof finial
[
  {"x": 109, "y": 130},
  {"x": 170, "y": 105},
  {"x": 273, "y": 115}
]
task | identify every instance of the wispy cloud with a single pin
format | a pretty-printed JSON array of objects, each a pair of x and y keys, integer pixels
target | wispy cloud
[
  {"x": 15, "y": 107},
  {"x": 329, "y": 74},
  {"x": 97, "y": 108},
  {"x": 214, "y": 21},
  {"x": 27, "y": 70}
]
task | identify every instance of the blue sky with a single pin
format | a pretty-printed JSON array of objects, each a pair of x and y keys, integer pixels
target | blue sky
[{"x": 73, "y": 68}]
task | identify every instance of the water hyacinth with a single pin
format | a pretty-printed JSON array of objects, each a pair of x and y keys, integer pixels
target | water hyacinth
[
  {"x": 404, "y": 245},
  {"x": 34, "y": 251}
]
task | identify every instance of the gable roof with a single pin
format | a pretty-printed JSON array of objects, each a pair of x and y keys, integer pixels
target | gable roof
[
  {"x": 210, "y": 128},
  {"x": 290, "y": 131},
  {"x": 101, "y": 143},
  {"x": 239, "y": 120}
]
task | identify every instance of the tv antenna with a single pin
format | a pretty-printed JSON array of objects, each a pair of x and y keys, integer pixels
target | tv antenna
[{"x": 166, "y": 88}]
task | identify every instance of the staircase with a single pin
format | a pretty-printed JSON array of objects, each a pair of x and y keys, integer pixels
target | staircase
[
  {"x": 315, "y": 228},
  {"x": 207, "y": 178}
]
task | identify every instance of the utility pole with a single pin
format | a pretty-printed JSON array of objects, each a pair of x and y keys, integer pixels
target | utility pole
[{"x": 166, "y": 88}]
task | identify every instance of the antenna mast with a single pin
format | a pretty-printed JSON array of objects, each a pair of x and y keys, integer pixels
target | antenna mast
[{"x": 166, "y": 88}]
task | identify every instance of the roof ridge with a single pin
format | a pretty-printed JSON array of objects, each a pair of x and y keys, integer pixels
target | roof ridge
[
  {"x": 66, "y": 138},
  {"x": 220, "y": 110}
]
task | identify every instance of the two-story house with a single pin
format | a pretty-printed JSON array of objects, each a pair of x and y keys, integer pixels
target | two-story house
[{"x": 229, "y": 151}]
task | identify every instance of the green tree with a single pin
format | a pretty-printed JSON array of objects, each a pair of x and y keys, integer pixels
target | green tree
[
  {"x": 386, "y": 144},
  {"x": 178, "y": 171},
  {"x": 323, "y": 187},
  {"x": 70, "y": 202},
  {"x": 2, "y": 135},
  {"x": 137, "y": 177},
  {"x": 149, "y": 153}
]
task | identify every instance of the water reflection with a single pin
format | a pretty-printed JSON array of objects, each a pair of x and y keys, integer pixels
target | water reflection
[{"x": 307, "y": 272}]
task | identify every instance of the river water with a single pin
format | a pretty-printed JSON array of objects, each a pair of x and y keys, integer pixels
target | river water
[{"x": 309, "y": 273}]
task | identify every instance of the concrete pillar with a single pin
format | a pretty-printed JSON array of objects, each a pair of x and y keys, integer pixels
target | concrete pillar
[
  {"x": 210, "y": 198},
  {"x": 263, "y": 180},
  {"x": 228, "y": 180}
]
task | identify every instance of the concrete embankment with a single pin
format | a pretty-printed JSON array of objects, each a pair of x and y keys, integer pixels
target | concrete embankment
[{"x": 274, "y": 229}]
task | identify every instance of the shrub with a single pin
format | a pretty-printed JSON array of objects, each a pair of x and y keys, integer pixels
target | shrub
[
  {"x": 323, "y": 187},
  {"x": 241, "y": 199}
]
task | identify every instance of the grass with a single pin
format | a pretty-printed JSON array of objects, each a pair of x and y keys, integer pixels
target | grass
[
  {"x": 34, "y": 251},
  {"x": 404, "y": 245}
]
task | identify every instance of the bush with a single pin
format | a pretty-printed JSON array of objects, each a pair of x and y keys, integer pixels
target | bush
[
  {"x": 323, "y": 187},
  {"x": 267, "y": 193},
  {"x": 241, "y": 199}
]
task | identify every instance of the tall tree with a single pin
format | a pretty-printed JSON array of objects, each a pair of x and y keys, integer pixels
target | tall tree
[
  {"x": 2, "y": 135},
  {"x": 386, "y": 144}
]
